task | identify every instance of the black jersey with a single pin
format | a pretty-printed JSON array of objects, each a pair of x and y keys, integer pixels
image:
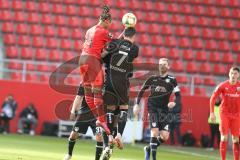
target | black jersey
[
  {"x": 84, "y": 112},
  {"x": 118, "y": 63},
  {"x": 161, "y": 89}
]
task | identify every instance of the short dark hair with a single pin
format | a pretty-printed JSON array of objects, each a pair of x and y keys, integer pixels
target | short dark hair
[
  {"x": 105, "y": 14},
  {"x": 129, "y": 32},
  {"x": 235, "y": 69}
]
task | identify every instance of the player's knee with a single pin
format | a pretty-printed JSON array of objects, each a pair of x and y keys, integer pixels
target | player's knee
[
  {"x": 154, "y": 132},
  {"x": 164, "y": 136},
  {"x": 99, "y": 138},
  {"x": 235, "y": 139},
  {"x": 224, "y": 138}
]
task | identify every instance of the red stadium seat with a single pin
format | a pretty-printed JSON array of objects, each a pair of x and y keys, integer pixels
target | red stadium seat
[
  {"x": 87, "y": 22},
  {"x": 33, "y": 17},
  {"x": 27, "y": 53},
  {"x": 177, "y": 66},
  {"x": 84, "y": 11},
  {"x": 219, "y": 34},
  {"x": 44, "y": 7},
  {"x": 151, "y": 63},
  {"x": 172, "y": 7},
  {"x": 200, "y": 91},
  {"x": 180, "y": 31},
  {"x": 77, "y": 33},
  {"x": 66, "y": 44},
  {"x": 215, "y": 22},
  {"x": 47, "y": 19},
  {"x": 207, "y": 33},
  {"x": 6, "y": 15},
  {"x": 227, "y": 58},
  {"x": 193, "y": 32},
  {"x": 49, "y": 30},
  {"x": 214, "y": 57},
  {"x": 7, "y": 27},
  {"x": 223, "y": 45},
  {"x": 17, "y": 5},
  {"x": 202, "y": 21},
  {"x": 63, "y": 32},
  {"x": 209, "y": 81},
  {"x": 67, "y": 55},
  {"x": 221, "y": 2},
  {"x": 183, "y": 42},
  {"x": 32, "y": 78},
  {"x": 235, "y": 13},
  {"x": 189, "y": 20},
  {"x": 74, "y": 21},
  {"x": 173, "y": 53},
  {"x": 146, "y": 51},
  {"x": 121, "y": 4},
  {"x": 225, "y": 12},
  {"x": 236, "y": 47},
  {"x": 185, "y": 90},
  {"x": 211, "y": 45},
  {"x": 97, "y": 12},
  {"x": 55, "y": 55},
  {"x": 24, "y": 40},
  {"x": 201, "y": 56},
  {"x": 41, "y": 54},
  {"x": 135, "y": 4},
  {"x": 154, "y": 28},
  {"x": 228, "y": 23},
  {"x": 205, "y": 68},
  {"x": 176, "y": 19},
  {"x": 36, "y": 29},
  {"x": 182, "y": 79},
  {"x": 157, "y": 40},
  {"x": 57, "y": 8},
  {"x": 44, "y": 78},
  {"x": 211, "y": 11},
  {"x": 12, "y": 52},
  {"x": 148, "y": 5},
  {"x": 160, "y": 52},
  {"x": 238, "y": 59},
  {"x": 219, "y": 69},
  {"x": 198, "y": 80},
  {"x": 234, "y": 3},
  {"x": 31, "y": 6},
  {"x": 197, "y": 43},
  {"x": 188, "y": 54},
  {"x": 199, "y": 10},
  {"x": 20, "y": 16},
  {"x": 78, "y": 45},
  {"x": 191, "y": 67},
  {"x": 4, "y": 4},
  {"x": 52, "y": 42},
  {"x": 15, "y": 65},
  {"x": 233, "y": 35},
  {"x": 17, "y": 76},
  {"x": 22, "y": 28},
  {"x": 185, "y": 8},
  {"x": 43, "y": 68},
  {"x": 30, "y": 67},
  {"x": 170, "y": 41},
  {"x": 38, "y": 42},
  {"x": 150, "y": 17},
  {"x": 163, "y": 18},
  {"x": 9, "y": 39},
  {"x": 159, "y": 6},
  {"x": 71, "y": 10},
  {"x": 143, "y": 39},
  {"x": 60, "y": 20}
]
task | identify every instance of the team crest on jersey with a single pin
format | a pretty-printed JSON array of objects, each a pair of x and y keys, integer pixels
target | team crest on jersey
[
  {"x": 160, "y": 89},
  {"x": 154, "y": 124},
  {"x": 166, "y": 127},
  {"x": 76, "y": 129},
  {"x": 167, "y": 80}
]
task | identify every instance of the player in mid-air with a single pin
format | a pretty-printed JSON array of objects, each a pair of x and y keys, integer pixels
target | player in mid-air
[
  {"x": 229, "y": 111},
  {"x": 118, "y": 57},
  {"x": 91, "y": 67},
  {"x": 84, "y": 119},
  {"x": 161, "y": 87}
]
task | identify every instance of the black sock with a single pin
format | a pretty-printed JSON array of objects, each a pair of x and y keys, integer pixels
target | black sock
[
  {"x": 122, "y": 120},
  {"x": 105, "y": 139},
  {"x": 71, "y": 143},
  {"x": 153, "y": 145},
  {"x": 99, "y": 149},
  {"x": 159, "y": 141},
  {"x": 114, "y": 133}
]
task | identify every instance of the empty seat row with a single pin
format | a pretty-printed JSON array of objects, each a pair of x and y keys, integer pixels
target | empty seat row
[{"x": 208, "y": 81}]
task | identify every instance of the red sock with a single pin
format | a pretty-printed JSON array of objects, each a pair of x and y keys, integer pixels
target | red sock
[
  {"x": 98, "y": 101},
  {"x": 236, "y": 151},
  {"x": 223, "y": 150}
]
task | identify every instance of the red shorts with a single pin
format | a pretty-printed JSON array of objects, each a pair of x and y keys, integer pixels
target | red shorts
[
  {"x": 91, "y": 71},
  {"x": 229, "y": 123}
]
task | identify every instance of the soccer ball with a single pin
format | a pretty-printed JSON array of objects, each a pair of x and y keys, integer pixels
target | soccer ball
[{"x": 129, "y": 20}]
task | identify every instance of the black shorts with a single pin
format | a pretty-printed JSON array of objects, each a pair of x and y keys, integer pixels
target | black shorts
[
  {"x": 159, "y": 120},
  {"x": 82, "y": 127}
]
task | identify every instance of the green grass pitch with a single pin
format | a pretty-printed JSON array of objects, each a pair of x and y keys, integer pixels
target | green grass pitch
[{"x": 24, "y": 147}]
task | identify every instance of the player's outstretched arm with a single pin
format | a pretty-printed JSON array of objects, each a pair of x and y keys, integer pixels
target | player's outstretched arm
[{"x": 76, "y": 106}]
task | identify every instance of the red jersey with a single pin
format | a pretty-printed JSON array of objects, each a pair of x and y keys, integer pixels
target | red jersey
[
  {"x": 95, "y": 40},
  {"x": 230, "y": 95}
]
